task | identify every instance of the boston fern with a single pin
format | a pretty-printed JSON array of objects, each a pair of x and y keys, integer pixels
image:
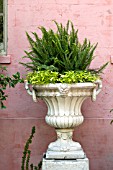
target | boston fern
[{"x": 59, "y": 51}]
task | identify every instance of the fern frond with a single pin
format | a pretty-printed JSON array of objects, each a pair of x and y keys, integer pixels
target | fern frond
[{"x": 60, "y": 50}]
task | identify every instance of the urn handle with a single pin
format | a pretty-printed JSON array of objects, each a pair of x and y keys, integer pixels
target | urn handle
[
  {"x": 97, "y": 90},
  {"x": 31, "y": 93}
]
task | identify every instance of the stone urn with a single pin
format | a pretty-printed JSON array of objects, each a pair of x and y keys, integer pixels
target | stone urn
[{"x": 64, "y": 103}]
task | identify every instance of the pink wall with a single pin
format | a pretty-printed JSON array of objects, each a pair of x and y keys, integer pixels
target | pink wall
[{"x": 94, "y": 19}]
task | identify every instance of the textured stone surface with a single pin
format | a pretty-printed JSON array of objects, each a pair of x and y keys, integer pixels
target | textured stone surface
[
  {"x": 13, "y": 133},
  {"x": 65, "y": 155},
  {"x": 78, "y": 164}
]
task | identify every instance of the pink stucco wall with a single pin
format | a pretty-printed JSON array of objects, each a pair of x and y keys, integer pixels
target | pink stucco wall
[{"x": 94, "y": 19}]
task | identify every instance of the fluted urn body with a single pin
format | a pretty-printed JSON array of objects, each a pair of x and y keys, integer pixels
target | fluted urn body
[
  {"x": 64, "y": 103},
  {"x": 64, "y": 112}
]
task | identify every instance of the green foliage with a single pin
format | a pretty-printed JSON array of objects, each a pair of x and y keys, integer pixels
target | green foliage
[
  {"x": 78, "y": 77},
  {"x": 27, "y": 153},
  {"x": 42, "y": 77},
  {"x": 46, "y": 77},
  {"x": 5, "y": 81},
  {"x": 59, "y": 51}
]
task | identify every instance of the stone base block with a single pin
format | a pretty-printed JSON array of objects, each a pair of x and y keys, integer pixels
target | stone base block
[{"x": 78, "y": 164}]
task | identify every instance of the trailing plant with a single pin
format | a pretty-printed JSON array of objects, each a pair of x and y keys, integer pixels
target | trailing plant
[
  {"x": 42, "y": 77},
  {"x": 78, "y": 77},
  {"x": 59, "y": 51},
  {"x": 6, "y": 80},
  {"x": 27, "y": 153},
  {"x": 46, "y": 77}
]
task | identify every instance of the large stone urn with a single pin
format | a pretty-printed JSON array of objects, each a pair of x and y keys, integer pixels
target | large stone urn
[{"x": 64, "y": 103}]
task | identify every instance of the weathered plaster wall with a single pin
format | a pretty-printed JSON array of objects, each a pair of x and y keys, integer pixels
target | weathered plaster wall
[{"x": 94, "y": 19}]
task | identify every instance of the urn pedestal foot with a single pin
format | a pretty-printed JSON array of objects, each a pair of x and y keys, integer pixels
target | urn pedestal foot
[
  {"x": 64, "y": 147},
  {"x": 65, "y": 154}
]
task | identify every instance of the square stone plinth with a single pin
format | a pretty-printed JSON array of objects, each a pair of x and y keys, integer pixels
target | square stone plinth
[{"x": 78, "y": 164}]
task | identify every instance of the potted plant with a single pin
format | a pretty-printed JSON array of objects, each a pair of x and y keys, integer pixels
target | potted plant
[{"x": 61, "y": 76}]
